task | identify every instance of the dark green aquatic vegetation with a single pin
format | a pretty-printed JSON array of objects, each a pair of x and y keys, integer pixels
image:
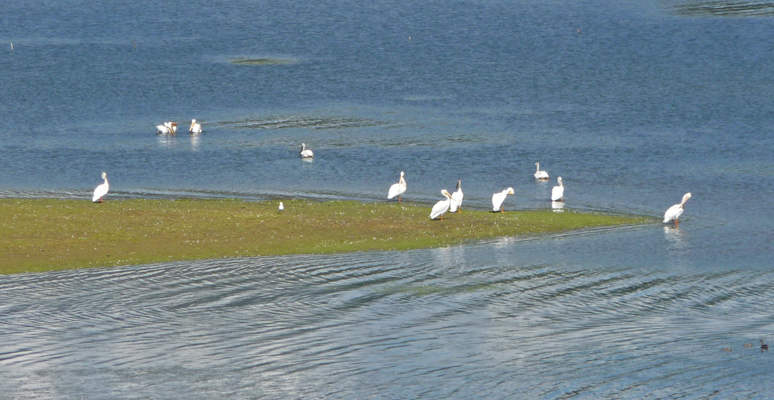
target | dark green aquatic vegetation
[
  {"x": 722, "y": 8},
  {"x": 50, "y": 234},
  {"x": 261, "y": 61}
]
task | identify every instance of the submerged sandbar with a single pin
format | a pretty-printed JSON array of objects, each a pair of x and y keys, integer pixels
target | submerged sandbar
[{"x": 52, "y": 234}]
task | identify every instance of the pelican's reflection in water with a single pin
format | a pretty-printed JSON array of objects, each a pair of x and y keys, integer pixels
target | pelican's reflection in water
[
  {"x": 194, "y": 141},
  {"x": 557, "y": 206},
  {"x": 677, "y": 239},
  {"x": 166, "y": 140}
]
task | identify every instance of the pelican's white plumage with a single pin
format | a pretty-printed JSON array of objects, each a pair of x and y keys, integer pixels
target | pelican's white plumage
[
  {"x": 540, "y": 175},
  {"x": 557, "y": 193},
  {"x": 456, "y": 198},
  {"x": 674, "y": 212},
  {"x": 167, "y": 128},
  {"x": 440, "y": 208},
  {"x": 101, "y": 190},
  {"x": 498, "y": 199},
  {"x": 195, "y": 128},
  {"x": 397, "y": 189},
  {"x": 281, "y": 207},
  {"x": 305, "y": 153}
]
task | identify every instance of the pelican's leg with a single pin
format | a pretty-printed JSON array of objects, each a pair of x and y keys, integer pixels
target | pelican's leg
[
  {"x": 400, "y": 200},
  {"x": 502, "y": 209},
  {"x": 677, "y": 223},
  {"x": 459, "y": 210}
]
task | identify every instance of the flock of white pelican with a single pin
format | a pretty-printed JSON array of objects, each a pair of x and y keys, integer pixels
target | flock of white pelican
[
  {"x": 170, "y": 128},
  {"x": 451, "y": 202}
]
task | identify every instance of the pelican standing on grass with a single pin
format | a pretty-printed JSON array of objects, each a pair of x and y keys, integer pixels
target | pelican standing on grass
[
  {"x": 195, "y": 128},
  {"x": 456, "y": 198},
  {"x": 442, "y": 206},
  {"x": 674, "y": 212},
  {"x": 281, "y": 207},
  {"x": 101, "y": 190},
  {"x": 557, "y": 193},
  {"x": 540, "y": 175},
  {"x": 305, "y": 153},
  {"x": 498, "y": 199},
  {"x": 397, "y": 189},
  {"x": 167, "y": 128}
]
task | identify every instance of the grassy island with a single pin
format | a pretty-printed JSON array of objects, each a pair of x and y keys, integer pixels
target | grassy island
[{"x": 51, "y": 234}]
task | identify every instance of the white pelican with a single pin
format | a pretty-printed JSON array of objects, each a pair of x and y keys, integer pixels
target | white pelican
[
  {"x": 167, "y": 128},
  {"x": 440, "y": 207},
  {"x": 101, "y": 190},
  {"x": 557, "y": 193},
  {"x": 674, "y": 212},
  {"x": 305, "y": 153},
  {"x": 195, "y": 128},
  {"x": 456, "y": 197},
  {"x": 397, "y": 189},
  {"x": 281, "y": 207},
  {"x": 498, "y": 199},
  {"x": 540, "y": 175}
]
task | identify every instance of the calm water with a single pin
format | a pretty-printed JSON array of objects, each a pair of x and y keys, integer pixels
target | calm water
[{"x": 649, "y": 101}]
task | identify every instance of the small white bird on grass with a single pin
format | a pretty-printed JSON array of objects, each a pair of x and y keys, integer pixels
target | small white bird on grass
[
  {"x": 101, "y": 190},
  {"x": 440, "y": 208},
  {"x": 540, "y": 175},
  {"x": 557, "y": 193},
  {"x": 397, "y": 189},
  {"x": 281, "y": 207},
  {"x": 195, "y": 128},
  {"x": 305, "y": 153},
  {"x": 674, "y": 212},
  {"x": 498, "y": 199}
]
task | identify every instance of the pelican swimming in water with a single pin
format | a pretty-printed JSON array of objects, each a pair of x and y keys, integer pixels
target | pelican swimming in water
[
  {"x": 674, "y": 212},
  {"x": 397, "y": 189},
  {"x": 101, "y": 190},
  {"x": 540, "y": 175},
  {"x": 456, "y": 197},
  {"x": 498, "y": 199},
  {"x": 557, "y": 193},
  {"x": 167, "y": 128},
  {"x": 195, "y": 128},
  {"x": 305, "y": 153},
  {"x": 442, "y": 206}
]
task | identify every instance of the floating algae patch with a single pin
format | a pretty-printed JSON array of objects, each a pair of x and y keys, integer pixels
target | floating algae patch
[
  {"x": 261, "y": 61},
  {"x": 722, "y": 8},
  {"x": 303, "y": 121},
  {"x": 50, "y": 234}
]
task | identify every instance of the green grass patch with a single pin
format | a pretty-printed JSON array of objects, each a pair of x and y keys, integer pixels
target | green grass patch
[{"x": 51, "y": 234}]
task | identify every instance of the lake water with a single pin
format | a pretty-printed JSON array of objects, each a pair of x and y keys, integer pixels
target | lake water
[{"x": 632, "y": 103}]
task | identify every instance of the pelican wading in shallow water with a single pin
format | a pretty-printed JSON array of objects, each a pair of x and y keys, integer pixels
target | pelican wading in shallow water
[
  {"x": 305, "y": 153},
  {"x": 674, "y": 212},
  {"x": 498, "y": 199},
  {"x": 167, "y": 128},
  {"x": 101, "y": 190},
  {"x": 557, "y": 193},
  {"x": 540, "y": 175},
  {"x": 195, "y": 128},
  {"x": 397, "y": 189},
  {"x": 456, "y": 198},
  {"x": 442, "y": 206}
]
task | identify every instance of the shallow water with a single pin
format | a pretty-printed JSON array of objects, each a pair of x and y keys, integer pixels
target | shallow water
[{"x": 649, "y": 101}]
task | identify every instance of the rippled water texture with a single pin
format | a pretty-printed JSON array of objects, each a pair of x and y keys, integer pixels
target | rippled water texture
[{"x": 632, "y": 103}]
